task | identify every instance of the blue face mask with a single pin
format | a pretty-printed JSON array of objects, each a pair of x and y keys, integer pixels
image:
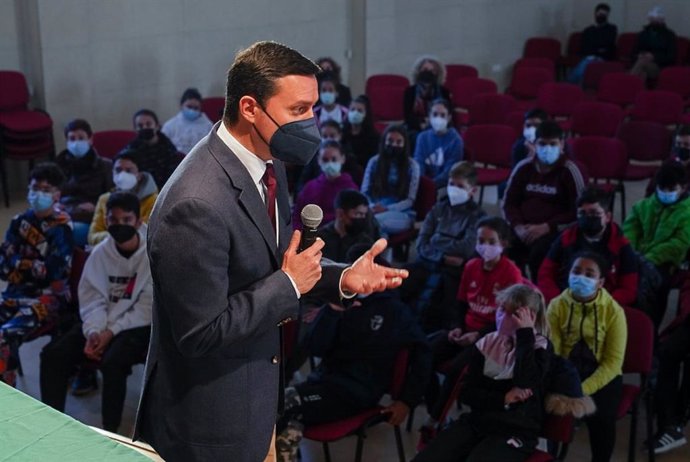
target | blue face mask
[
  {"x": 40, "y": 201},
  {"x": 355, "y": 117},
  {"x": 331, "y": 169},
  {"x": 327, "y": 97},
  {"x": 78, "y": 148},
  {"x": 667, "y": 197},
  {"x": 582, "y": 286},
  {"x": 190, "y": 114},
  {"x": 548, "y": 154}
]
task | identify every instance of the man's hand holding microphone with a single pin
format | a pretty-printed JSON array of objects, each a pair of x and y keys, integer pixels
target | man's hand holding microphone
[{"x": 302, "y": 261}]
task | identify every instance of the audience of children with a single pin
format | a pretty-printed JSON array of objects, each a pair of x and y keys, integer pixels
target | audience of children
[
  {"x": 323, "y": 189},
  {"x": 475, "y": 313},
  {"x": 189, "y": 125},
  {"x": 157, "y": 154},
  {"x": 588, "y": 327},
  {"x": 35, "y": 260},
  {"x": 463, "y": 287},
  {"x": 115, "y": 306},
  {"x": 329, "y": 66},
  {"x": 88, "y": 175},
  {"x": 438, "y": 147},
  {"x": 360, "y": 137},
  {"x": 391, "y": 180},
  {"x": 329, "y": 109},
  {"x": 504, "y": 386},
  {"x": 594, "y": 231},
  {"x": 540, "y": 199},
  {"x": 446, "y": 242},
  {"x": 128, "y": 177},
  {"x": 358, "y": 349},
  {"x": 352, "y": 225},
  {"x": 658, "y": 227}
]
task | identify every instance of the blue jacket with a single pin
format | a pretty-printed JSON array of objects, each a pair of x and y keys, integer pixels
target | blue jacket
[{"x": 436, "y": 154}]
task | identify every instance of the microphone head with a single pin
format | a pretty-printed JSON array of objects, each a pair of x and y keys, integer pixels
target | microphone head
[{"x": 311, "y": 215}]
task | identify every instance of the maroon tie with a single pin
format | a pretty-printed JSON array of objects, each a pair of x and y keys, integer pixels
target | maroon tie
[{"x": 269, "y": 180}]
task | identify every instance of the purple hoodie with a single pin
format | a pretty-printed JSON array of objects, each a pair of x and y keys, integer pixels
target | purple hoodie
[{"x": 321, "y": 191}]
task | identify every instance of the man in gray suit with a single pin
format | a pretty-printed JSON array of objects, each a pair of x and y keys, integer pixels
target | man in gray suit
[{"x": 227, "y": 274}]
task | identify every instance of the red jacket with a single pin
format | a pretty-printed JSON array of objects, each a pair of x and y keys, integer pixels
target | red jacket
[{"x": 622, "y": 280}]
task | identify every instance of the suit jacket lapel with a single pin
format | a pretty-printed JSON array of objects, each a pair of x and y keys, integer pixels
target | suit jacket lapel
[{"x": 248, "y": 198}]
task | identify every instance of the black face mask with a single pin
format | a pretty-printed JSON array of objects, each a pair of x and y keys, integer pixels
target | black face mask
[
  {"x": 295, "y": 142},
  {"x": 590, "y": 226},
  {"x": 356, "y": 226},
  {"x": 146, "y": 134},
  {"x": 122, "y": 233},
  {"x": 392, "y": 152},
  {"x": 600, "y": 19},
  {"x": 682, "y": 153},
  {"x": 426, "y": 77}
]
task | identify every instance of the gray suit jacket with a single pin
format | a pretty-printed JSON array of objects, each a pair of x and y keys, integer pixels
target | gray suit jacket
[{"x": 213, "y": 371}]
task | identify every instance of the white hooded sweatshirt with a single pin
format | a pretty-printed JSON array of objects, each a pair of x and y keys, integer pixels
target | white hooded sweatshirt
[{"x": 115, "y": 292}]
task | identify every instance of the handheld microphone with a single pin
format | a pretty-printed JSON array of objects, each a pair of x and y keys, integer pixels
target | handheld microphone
[{"x": 311, "y": 219}]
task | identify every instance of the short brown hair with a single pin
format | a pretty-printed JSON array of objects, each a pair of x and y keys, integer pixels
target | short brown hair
[
  {"x": 464, "y": 170},
  {"x": 255, "y": 71}
]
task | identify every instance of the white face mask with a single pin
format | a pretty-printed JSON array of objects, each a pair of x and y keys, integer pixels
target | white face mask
[
  {"x": 457, "y": 195},
  {"x": 438, "y": 124},
  {"x": 530, "y": 134},
  {"x": 125, "y": 181}
]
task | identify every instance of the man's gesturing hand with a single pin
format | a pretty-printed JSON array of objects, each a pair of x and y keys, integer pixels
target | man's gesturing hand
[
  {"x": 304, "y": 268},
  {"x": 365, "y": 276}
]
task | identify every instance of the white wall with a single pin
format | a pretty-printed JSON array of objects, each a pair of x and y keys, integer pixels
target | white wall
[
  {"x": 104, "y": 60},
  {"x": 9, "y": 50},
  {"x": 488, "y": 34}
]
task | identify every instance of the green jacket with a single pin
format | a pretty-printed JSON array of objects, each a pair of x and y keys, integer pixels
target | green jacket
[{"x": 660, "y": 232}]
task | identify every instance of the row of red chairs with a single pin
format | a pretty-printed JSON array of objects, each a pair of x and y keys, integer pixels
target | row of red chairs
[
  {"x": 550, "y": 48},
  {"x": 534, "y": 86}
]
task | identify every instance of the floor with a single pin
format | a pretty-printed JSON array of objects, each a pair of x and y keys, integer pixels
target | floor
[{"x": 380, "y": 444}]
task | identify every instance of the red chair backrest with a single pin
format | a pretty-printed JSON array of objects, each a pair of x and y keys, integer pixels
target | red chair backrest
[
  {"x": 458, "y": 71},
  {"x": 594, "y": 118},
  {"x": 597, "y": 69},
  {"x": 385, "y": 92},
  {"x": 603, "y": 157},
  {"x": 542, "y": 47},
  {"x": 660, "y": 106},
  {"x": 14, "y": 92},
  {"x": 490, "y": 108},
  {"x": 645, "y": 141},
  {"x": 675, "y": 79},
  {"x": 574, "y": 44},
  {"x": 213, "y": 107},
  {"x": 110, "y": 142},
  {"x": 619, "y": 88},
  {"x": 682, "y": 50},
  {"x": 490, "y": 144},
  {"x": 543, "y": 63},
  {"x": 559, "y": 99},
  {"x": 516, "y": 120},
  {"x": 78, "y": 261},
  {"x": 462, "y": 90},
  {"x": 426, "y": 197},
  {"x": 625, "y": 46},
  {"x": 559, "y": 429},
  {"x": 402, "y": 361},
  {"x": 639, "y": 351},
  {"x": 527, "y": 81}
]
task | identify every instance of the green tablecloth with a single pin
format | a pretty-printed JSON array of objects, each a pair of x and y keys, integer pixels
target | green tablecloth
[{"x": 33, "y": 432}]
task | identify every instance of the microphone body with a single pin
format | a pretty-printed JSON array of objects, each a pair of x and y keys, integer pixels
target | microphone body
[{"x": 311, "y": 216}]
